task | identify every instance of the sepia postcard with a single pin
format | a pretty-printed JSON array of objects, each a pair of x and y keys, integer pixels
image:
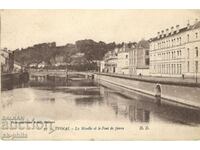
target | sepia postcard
[{"x": 109, "y": 74}]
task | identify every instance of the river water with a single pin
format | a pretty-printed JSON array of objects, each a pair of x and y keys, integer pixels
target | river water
[{"x": 90, "y": 101}]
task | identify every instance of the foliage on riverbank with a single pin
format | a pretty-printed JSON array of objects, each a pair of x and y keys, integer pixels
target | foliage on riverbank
[{"x": 51, "y": 55}]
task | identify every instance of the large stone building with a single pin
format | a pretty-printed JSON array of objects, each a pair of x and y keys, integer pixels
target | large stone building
[
  {"x": 110, "y": 62},
  {"x": 175, "y": 52},
  {"x": 139, "y": 58},
  {"x": 7, "y": 60},
  {"x": 123, "y": 59},
  {"x": 8, "y": 64}
]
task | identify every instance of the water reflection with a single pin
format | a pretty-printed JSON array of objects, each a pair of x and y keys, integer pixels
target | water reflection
[
  {"x": 145, "y": 107},
  {"x": 83, "y": 99},
  {"x": 92, "y": 100},
  {"x": 133, "y": 113},
  {"x": 140, "y": 115},
  {"x": 54, "y": 81},
  {"x": 123, "y": 105}
]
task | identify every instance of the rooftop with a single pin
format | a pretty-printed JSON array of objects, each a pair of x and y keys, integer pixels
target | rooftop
[{"x": 181, "y": 30}]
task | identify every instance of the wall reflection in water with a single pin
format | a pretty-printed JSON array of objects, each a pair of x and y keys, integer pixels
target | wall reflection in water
[
  {"x": 134, "y": 114},
  {"x": 86, "y": 99},
  {"x": 97, "y": 96}
]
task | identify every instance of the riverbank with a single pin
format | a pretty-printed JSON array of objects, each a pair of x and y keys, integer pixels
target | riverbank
[
  {"x": 162, "y": 80},
  {"x": 182, "y": 93},
  {"x": 12, "y": 80}
]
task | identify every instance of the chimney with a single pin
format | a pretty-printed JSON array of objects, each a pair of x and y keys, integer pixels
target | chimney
[
  {"x": 172, "y": 30},
  {"x": 167, "y": 32},
  {"x": 158, "y": 35},
  {"x": 177, "y": 28},
  {"x": 162, "y": 33},
  {"x": 188, "y": 24}
]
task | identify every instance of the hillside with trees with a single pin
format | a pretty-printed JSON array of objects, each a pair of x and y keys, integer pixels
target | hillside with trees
[{"x": 49, "y": 52}]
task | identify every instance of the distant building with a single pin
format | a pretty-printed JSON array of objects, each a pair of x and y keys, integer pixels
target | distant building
[
  {"x": 8, "y": 64},
  {"x": 102, "y": 66},
  {"x": 7, "y": 60},
  {"x": 78, "y": 55},
  {"x": 33, "y": 65},
  {"x": 78, "y": 58},
  {"x": 45, "y": 45},
  {"x": 41, "y": 64},
  {"x": 139, "y": 58},
  {"x": 123, "y": 59},
  {"x": 175, "y": 52},
  {"x": 110, "y": 60},
  {"x": 4, "y": 57},
  {"x": 58, "y": 60},
  {"x": 17, "y": 67}
]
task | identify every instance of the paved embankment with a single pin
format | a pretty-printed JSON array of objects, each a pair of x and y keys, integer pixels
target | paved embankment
[
  {"x": 163, "y": 80},
  {"x": 184, "y": 93}
]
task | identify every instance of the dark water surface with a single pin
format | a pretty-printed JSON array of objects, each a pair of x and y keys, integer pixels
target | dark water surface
[{"x": 86, "y": 100}]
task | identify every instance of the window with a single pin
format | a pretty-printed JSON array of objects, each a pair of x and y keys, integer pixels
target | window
[
  {"x": 188, "y": 66},
  {"x": 196, "y": 66},
  {"x": 174, "y": 41},
  {"x": 126, "y": 56},
  {"x": 196, "y": 35},
  {"x": 178, "y": 70},
  {"x": 174, "y": 68},
  {"x": 147, "y": 61},
  {"x": 188, "y": 38},
  {"x": 188, "y": 51},
  {"x": 197, "y": 52},
  {"x": 177, "y": 41},
  {"x": 174, "y": 54}
]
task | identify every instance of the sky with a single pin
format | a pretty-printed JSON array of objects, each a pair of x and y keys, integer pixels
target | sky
[{"x": 23, "y": 28}]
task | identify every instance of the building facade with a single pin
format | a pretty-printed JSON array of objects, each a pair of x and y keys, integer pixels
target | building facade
[
  {"x": 175, "y": 52},
  {"x": 110, "y": 61},
  {"x": 139, "y": 58},
  {"x": 8, "y": 64},
  {"x": 123, "y": 59},
  {"x": 7, "y": 61},
  {"x": 102, "y": 66}
]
